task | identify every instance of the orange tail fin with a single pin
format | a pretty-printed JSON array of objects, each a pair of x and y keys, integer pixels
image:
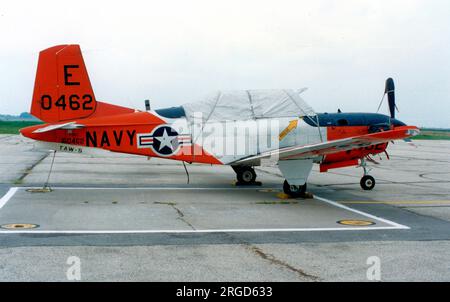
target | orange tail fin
[{"x": 62, "y": 90}]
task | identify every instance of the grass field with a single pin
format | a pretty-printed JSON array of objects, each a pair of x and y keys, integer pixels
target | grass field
[
  {"x": 12, "y": 127},
  {"x": 433, "y": 134}
]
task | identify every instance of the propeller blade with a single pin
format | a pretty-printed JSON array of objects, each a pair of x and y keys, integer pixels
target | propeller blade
[
  {"x": 390, "y": 91},
  {"x": 381, "y": 102}
]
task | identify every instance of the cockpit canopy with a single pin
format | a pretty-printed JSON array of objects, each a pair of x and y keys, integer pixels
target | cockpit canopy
[{"x": 243, "y": 105}]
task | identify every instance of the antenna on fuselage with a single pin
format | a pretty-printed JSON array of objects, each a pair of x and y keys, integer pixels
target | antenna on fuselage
[{"x": 147, "y": 105}]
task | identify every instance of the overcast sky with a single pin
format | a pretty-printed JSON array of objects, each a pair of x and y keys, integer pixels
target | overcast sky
[{"x": 173, "y": 52}]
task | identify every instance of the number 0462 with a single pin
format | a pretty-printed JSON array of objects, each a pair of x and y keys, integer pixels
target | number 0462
[{"x": 74, "y": 102}]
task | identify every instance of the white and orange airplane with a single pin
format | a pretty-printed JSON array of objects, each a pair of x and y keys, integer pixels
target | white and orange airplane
[{"x": 238, "y": 128}]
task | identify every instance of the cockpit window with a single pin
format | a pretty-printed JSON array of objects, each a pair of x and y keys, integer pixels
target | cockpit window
[
  {"x": 349, "y": 119},
  {"x": 342, "y": 122},
  {"x": 172, "y": 112}
]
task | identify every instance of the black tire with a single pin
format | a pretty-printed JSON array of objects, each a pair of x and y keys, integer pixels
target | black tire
[
  {"x": 294, "y": 191},
  {"x": 246, "y": 175},
  {"x": 367, "y": 182}
]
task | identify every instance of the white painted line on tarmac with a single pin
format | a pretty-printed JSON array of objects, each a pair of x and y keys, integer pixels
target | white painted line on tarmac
[
  {"x": 192, "y": 231},
  {"x": 7, "y": 196},
  {"x": 154, "y": 188},
  {"x": 336, "y": 204}
]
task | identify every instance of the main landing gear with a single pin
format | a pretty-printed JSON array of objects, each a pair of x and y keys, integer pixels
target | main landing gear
[
  {"x": 245, "y": 175},
  {"x": 367, "y": 182},
  {"x": 294, "y": 191}
]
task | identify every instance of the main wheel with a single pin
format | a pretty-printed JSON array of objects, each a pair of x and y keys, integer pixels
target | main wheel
[
  {"x": 367, "y": 182},
  {"x": 294, "y": 191},
  {"x": 246, "y": 175}
]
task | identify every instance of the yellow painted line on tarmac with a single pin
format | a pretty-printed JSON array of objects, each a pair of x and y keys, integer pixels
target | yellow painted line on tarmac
[
  {"x": 355, "y": 222},
  {"x": 283, "y": 196},
  {"x": 11, "y": 226},
  {"x": 395, "y": 202}
]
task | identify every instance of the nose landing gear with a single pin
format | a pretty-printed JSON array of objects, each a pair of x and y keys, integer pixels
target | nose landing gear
[{"x": 367, "y": 182}]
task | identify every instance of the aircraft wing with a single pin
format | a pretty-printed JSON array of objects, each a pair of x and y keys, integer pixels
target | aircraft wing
[
  {"x": 67, "y": 126},
  {"x": 334, "y": 146}
]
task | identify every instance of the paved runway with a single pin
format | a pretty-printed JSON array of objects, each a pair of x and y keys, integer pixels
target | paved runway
[
  {"x": 142, "y": 214},
  {"x": 176, "y": 210}
]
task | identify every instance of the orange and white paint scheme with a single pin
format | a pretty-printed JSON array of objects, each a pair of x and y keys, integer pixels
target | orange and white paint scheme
[{"x": 241, "y": 129}]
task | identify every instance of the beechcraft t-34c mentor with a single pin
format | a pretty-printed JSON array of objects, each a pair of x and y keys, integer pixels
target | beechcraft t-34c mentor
[{"x": 265, "y": 124}]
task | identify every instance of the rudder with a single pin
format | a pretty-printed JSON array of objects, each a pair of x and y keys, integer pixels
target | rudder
[{"x": 62, "y": 89}]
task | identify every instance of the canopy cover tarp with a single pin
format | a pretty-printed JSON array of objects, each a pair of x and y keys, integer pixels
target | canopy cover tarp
[{"x": 249, "y": 104}]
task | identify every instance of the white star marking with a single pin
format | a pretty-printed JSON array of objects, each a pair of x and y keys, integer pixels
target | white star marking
[{"x": 165, "y": 140}]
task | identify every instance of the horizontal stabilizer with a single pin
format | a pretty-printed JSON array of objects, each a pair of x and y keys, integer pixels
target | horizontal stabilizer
[{"x": 66, "y": 126}]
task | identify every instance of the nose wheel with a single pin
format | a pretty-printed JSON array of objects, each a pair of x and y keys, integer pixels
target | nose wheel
[
  {"x": 294, "y": 191},
  {"x": 367, "y": 182}
]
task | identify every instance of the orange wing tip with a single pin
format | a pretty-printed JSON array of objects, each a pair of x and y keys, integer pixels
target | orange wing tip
[{"x": 408, "y": 130}]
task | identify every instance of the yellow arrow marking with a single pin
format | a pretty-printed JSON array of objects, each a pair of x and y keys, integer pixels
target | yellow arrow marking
[{"x": 292, "y": 125}]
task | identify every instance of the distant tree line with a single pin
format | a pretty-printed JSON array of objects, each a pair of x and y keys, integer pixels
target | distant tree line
[{"x": 24, "y": 116}]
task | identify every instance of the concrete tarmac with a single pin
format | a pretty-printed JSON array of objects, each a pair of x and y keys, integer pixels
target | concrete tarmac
[{"x": 128, "y": 218}]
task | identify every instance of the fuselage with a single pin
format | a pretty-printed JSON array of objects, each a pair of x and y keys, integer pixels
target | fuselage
[{"x": 166, "y": 133}]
